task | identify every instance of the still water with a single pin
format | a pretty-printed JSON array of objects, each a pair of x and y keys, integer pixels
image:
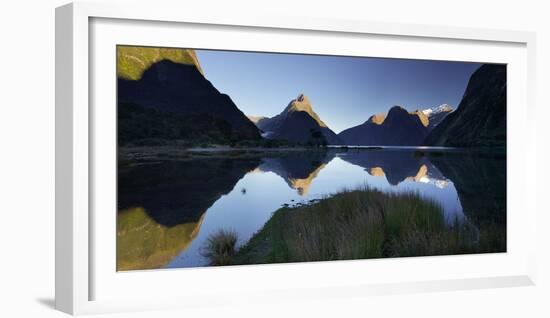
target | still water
[{"x": 168, "y": 209}]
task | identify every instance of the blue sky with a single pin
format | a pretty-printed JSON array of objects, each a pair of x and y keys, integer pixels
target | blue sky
[{"x": 344, "y": 91}]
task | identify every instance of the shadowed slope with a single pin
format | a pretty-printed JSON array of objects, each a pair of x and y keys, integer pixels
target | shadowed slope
[
  {"x": 163, "y": 94},
  {"x": 173, "y": 88},
  {"x": 480, "y": 119},
  {"x": 298, "y": 123}
]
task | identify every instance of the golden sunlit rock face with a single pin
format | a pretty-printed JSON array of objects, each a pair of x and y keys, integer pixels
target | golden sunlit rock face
[
  {"x": 132, "y": 61},
  {"x": 303, "y": 185},
  {"x": 144, "y": 244},
  {"x": 378, "y": 119},
  {"x": 420, "y": 175},
  {"x": 302, "y": 104},
  {"x": 376, "y": 172},
  {"x": 422, "y": 172},
  {"x": 423, "y": 118}
]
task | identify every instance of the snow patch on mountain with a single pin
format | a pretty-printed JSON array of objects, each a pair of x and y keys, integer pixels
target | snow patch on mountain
[{"x": 443, "y": 108}]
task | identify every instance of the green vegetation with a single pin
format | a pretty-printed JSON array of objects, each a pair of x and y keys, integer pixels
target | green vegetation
[
  {"x": 146, "y": 126},
  {"x": 220, "y": 247},
  {"x": 365, "y": 223},
  {"x": 132, "y": 61},
  {"x": 142, "y": 243},
  {"x": 317, "y": 138},
  {"x": 140, "y": 126}
]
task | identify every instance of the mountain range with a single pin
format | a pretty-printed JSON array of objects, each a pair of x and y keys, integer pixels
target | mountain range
[
  {"x": 397, "y": 128},
  {"x": 164, "y": 95},
  {"x": 299, "y": 123}
]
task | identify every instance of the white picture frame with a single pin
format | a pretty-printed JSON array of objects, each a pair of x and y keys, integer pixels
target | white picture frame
[{"x": 76, "y": 163}]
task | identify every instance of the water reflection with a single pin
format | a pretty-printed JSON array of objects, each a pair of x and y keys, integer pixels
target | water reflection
[
  {"x": 397, "y": 165},
  {"x": 186, "y": 201},
  {"x": 177, "y": 192},
  {"x": 298, "y": 169},
  {"x": 143, "y": 244},
  {"x": 480, "y": 180}
]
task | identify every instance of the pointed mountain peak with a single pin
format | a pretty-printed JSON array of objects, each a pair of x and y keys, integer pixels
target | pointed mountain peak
[
  {"x": 301, "y": 98},
  {"x": 302, "y": 104},
  {"x": 397, "y": 110}
]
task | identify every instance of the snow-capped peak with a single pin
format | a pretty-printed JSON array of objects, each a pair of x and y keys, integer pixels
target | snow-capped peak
[{"x": 443, "y": 108}]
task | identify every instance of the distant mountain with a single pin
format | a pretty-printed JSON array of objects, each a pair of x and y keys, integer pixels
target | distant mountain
[
  {"x": 435, "y": 115},
  {"x": 163, "y": 94},
  {"x": 480, "y": 119},
  {"x": 298, "y": 123},
  {"x": 398, "y": 128},
  {"x": 256, "y": 119}
]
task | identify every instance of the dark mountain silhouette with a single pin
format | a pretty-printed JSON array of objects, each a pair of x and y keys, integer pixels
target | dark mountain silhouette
[
  {"x": 480, "y": 119},
  {"x": 183, "y": 103},
  {"x": 298, "y": 123},
  {"x": 398, "y": 128}
]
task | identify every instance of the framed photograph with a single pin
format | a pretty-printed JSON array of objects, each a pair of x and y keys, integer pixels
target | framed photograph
[{"x": 212, "y": 159}]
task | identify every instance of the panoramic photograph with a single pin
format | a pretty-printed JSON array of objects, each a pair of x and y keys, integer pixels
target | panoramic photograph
[{"x": 241, "y": 158}]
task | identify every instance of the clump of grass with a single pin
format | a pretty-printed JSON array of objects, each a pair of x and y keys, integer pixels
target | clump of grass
[
  {"x": 365, "y": 223},
  {"x": 220, "y": 247}
]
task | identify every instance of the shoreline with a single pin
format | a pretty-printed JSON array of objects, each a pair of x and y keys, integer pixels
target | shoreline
[
  {"x": 176, "y": 152},
  {"x": 398, "y": 225}
]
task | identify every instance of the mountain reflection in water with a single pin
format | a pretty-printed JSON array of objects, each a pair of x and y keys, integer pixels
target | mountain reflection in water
[
  {"x": 298, "y": 169},
  {"x": 167, "y": 209}
]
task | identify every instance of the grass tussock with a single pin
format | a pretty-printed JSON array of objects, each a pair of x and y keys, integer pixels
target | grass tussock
[
  {"x": 221, "y": 247},
  {"x": 366, "y": 223}
]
